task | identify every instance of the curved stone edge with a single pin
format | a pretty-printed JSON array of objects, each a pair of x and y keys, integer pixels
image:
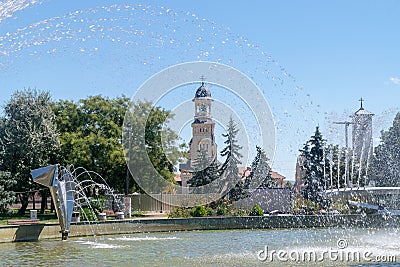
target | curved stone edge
[{"x": 35, "y": 232}]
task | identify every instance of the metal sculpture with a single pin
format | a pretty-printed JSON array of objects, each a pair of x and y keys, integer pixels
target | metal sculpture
[{"x": 62, "y": 189}]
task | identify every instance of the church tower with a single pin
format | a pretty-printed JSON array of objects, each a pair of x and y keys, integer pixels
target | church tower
[
  {"x": 362, "y": 133},
  {"x": 203, "y": 137},
  {"x": 203, "y": 125}
]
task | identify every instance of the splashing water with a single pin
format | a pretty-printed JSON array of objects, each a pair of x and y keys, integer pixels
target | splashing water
[{"x": 119, "y": 46}]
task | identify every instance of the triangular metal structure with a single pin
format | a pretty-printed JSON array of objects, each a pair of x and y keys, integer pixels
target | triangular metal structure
[{"x": 62, "y": 191}]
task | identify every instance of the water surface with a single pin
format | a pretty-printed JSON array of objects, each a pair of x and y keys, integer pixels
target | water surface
[{"x": 208, "y": 248}]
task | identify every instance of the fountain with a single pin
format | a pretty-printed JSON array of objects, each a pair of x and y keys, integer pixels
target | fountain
[
  {"x": 68, "y": 192},
  {"x": 62, "y": 189}
]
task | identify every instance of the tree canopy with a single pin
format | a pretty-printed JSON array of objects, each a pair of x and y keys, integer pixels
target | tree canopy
[
  {"x": 314, "y": 179},
  {"x": 205, "y": 172},
  {"x": 29, "y": 139},
  {"x": 90, "y": 135},
  {"x": 260, "y": 175},
  {"x": 230, "y": 168},
  {"x": 385, "y": 164},
  {"x": 153, "y": 150}
]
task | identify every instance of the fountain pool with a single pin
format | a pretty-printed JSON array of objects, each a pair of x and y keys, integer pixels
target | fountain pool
[{"x": 212, "y": 248}]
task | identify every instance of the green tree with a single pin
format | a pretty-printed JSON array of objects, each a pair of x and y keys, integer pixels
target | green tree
[
  {"x": 29, "y": 139},
  {"x": 7, "y": 196},
  {"x": 229, "y": 169},
  {"x": 314, "y": 180},
  {"x": 199, "y": 211},
  {"x": 260, "y": 175},
  {"x": 91, "y": 131},
  {"x": 385, "y": 165},
  {"x": 256, "y": 210},
  {"x": 205, "y": 172},
  {"x": 152, "y": 148}
]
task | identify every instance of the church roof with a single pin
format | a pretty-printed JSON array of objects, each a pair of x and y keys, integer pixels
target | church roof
[
  {"x": 198, "y": 121},
  {"x": 202, "y": 91},
  {"x": 363, "y": 111}
]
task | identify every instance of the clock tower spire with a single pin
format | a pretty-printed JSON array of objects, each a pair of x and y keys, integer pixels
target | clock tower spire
[
  {"x": 202, "y": 133},
  {"x": 203, "y": 125}
]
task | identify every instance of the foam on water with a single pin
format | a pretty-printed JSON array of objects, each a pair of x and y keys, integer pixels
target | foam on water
[
  {"x": 98, "y": 245},
  {"x": 147, "y": 238}
]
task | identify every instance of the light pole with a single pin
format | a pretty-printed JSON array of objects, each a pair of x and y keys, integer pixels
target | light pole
[
  {"x": 128, "y": 128},
  {"x": 127, "y": 199}
]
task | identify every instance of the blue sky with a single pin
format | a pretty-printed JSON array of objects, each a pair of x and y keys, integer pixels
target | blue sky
[{"x": 326, "y": 55}]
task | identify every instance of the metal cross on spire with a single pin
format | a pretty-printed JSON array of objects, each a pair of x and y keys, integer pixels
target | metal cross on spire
[
  {"x": 361, "y": 100},
  {"x": 202, "y": 78}
]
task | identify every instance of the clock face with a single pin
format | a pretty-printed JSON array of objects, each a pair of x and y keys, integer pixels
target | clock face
[{"x": 203, "y": 107}]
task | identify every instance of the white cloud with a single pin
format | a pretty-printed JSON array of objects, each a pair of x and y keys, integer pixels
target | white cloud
[{"x": 395, "y": 80}]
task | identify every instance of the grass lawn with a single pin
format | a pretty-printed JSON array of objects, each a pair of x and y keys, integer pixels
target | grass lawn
[{"x": 12, "y": 215}]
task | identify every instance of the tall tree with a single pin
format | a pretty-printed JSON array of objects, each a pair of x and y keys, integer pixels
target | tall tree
[
  {"x": 30, "y": 139},
  {"x": 230, "y": 168},
  {"x": 148, "y": 141},
  {"x": 91, "y": 131},
  {"x": 205, "y": 172},
  {"x": 7, "y": 196},
  {"x": 260, "y": 175},
  {"x": 385, "y": 164},
  {"x": 313, "y": 153}
]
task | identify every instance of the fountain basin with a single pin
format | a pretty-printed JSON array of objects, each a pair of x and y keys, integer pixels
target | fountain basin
[{"x": 34, "y": 232}]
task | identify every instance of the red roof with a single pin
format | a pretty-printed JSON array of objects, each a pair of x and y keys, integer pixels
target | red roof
[
  {"x": 276, "y": 175},
  {"x": 244, "y": 171},
  {"x": 177, "y": 177}
]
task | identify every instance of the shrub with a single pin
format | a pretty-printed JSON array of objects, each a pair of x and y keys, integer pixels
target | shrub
[
  {"x": 222, "y": 211},
  {"x": 340, "y": 207},
  {"x": 210, "y": 211},
  {"x": 241, "y": 212},
  {"x": 179, "y": 212},
  {"x": 97, "y": 204},
  {"x": 256, "y": 211},
  {"x": 138, "y": 213},
  {"x": 88, "y": 215},
  {"x": 307, "y": 206},
  {"x": 199, "y": 211}
]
